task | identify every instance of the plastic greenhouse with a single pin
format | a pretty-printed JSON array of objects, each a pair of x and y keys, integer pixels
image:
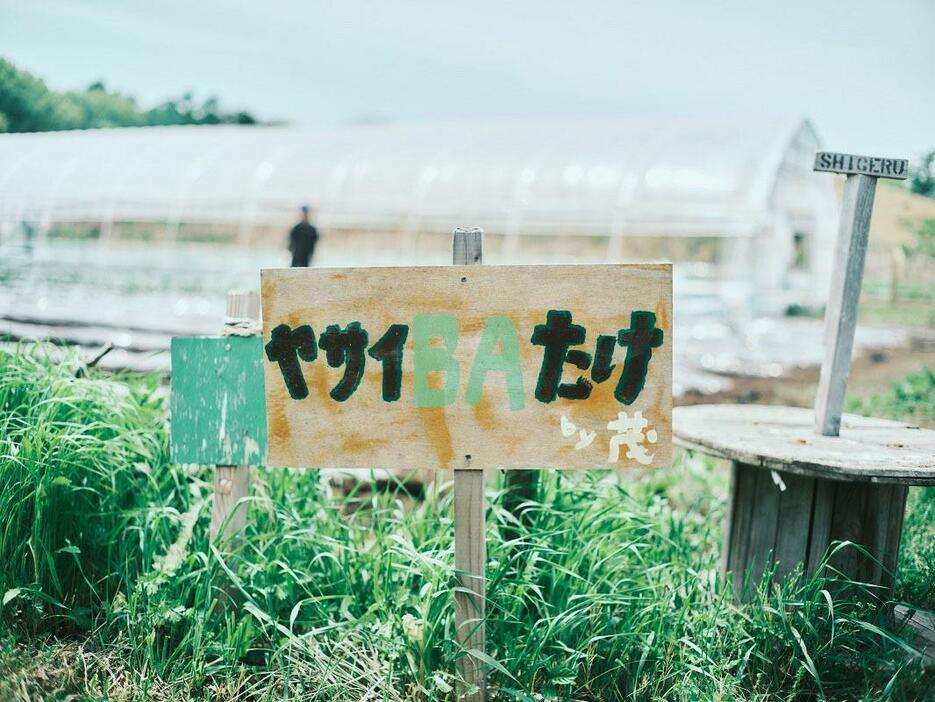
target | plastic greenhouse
[{"x": 739, "y": 197}]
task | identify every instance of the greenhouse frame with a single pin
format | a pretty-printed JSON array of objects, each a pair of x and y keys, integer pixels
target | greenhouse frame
[{"x": 736, "y": 198}]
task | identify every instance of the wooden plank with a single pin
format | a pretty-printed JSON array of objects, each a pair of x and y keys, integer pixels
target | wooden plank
[
  {"x": 841, "y": 310},
  {"x": 886, "y": 508},
  {"x": 470, "y": 537},
  {"x": 782, "y": 438},
  {"x": 853, "y": 164},
  {"x": 795, "y": 514},
  {"x": 741, "y": 520},
  {"x": 820, "y": 527},
  {"x": 217, "y": 402},
  {"x": 763, "y": 525},
  {"x": 729, "y": 518},
  {"x": 923, "y": 625},
  {"x": 847, "y": 525},
  {"x": 892, "y": 538},
  {"x": 871, "y": 516},
  {"x": 231, "y": 484},
  {"x": 470, "y": 391},
  {"x": 470, "y": 563}
]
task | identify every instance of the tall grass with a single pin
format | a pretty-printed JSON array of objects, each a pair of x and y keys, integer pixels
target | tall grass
[
  {"x": 81, "y": 459},
  {"x": 609, "y": 592}
]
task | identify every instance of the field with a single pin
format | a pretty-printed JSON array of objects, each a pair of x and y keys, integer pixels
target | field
[{"x": 608, "y": 591}]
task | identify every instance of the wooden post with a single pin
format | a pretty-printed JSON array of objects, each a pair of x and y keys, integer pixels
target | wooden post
[
  {"x": 841, "y": 312},
  {"x": 232, "y": 483},
  {"x": 847, "y": 276},
  {"x": 470, "y": 544}
]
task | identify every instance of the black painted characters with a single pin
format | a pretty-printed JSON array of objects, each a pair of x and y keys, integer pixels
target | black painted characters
[
  {"x": 435, "y": 339},
  {"x": 558, "y": 334}
]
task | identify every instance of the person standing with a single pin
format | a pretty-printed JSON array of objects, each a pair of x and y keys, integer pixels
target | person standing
[{"x": 302, "y": 240}]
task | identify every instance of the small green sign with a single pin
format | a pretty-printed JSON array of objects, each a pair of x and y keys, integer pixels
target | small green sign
[{"x": 218, "y": 403}]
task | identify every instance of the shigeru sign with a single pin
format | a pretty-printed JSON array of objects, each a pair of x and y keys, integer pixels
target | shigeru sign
[{"x": 469, "y": 367}]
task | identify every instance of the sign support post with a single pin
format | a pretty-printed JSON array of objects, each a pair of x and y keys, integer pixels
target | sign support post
[
  {"x": 471, "y": 367},
  {"x": 232, "y": 483},
  {"x": 847, "y": 275},
  {"x": 470, "y": 541}
]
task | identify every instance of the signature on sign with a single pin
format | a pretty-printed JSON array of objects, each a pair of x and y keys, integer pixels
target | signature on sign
[
  {"x": 498, "y": 351},
  {"x": 630, "y": 432}
]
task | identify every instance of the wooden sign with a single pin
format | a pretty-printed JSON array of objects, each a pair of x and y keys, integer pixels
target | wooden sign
[
  {"x": 217, "y": 405},
  {"x": 897, "y": 168},
  {"x": 847, "y": 275},
  {"x": 469, "y": 367}
]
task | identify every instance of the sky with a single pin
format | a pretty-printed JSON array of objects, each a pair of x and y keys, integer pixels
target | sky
[{"x": 862, "y": 70}]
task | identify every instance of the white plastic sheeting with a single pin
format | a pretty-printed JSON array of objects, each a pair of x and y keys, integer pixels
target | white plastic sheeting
[
  {"x": 668, "y": 177},
  {"x": 748, "y": 183}
]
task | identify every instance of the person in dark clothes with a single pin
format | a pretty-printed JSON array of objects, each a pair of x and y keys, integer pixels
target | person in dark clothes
[{"x": 302, "y": 241}]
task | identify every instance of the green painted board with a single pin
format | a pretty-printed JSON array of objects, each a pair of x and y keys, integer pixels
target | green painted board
[{"x": 218, "y": 403}]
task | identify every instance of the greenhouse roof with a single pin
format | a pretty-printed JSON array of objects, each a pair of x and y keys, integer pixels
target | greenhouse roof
[{"x": 662, "y": 176}]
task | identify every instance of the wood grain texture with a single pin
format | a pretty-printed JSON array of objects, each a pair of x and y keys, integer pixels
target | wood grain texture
[
  {"x": 819, "y": 537},
  {"x": 366, "y": 432},
  {"x": 470, "y": 533},
  {"x": 764, "y": 522},
  {"x": 923, "y": 626},
  {"x": 470, "y": 564},
  {"x": 793, "y": 524},
  {"x": 841, "y": 309},
  {"x": 782, "y": 438},
  {"x": 727, "y": 541},
  {"x": 743, "y": 487},
  {"x": 779, "y": 522},
  {"x": 231, "y": 484}
]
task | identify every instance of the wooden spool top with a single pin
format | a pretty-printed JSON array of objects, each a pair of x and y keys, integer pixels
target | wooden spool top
[{"x": 783, "y": 438}]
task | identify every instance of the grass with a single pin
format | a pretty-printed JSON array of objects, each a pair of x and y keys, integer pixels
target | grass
[{"x": 113, "y": 590}]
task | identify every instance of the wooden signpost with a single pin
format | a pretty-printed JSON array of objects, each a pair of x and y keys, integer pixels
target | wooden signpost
[
  {"x": 802, "y": 481},
  {"x": 464, "y": 368},
  {"x": 847, "y": 275},
  {"x": 470, "y": 505},
  {"x": 218, "y": 407},
  {"x": 469, "y": 368}
]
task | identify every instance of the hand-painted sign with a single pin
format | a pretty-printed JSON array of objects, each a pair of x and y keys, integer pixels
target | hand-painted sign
[
  {"x": 897, "y": 168},
  {"x": 217, "y": 404},
  {"x": 469, "y": 367}
]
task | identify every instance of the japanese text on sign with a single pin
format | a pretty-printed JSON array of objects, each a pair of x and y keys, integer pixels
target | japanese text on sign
[{"x": 469, "y": 367}]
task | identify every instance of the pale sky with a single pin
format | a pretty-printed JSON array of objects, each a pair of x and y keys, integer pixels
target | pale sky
[{"x": 862, "y": 70}]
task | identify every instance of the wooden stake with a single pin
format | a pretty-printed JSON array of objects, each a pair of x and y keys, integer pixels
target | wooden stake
[
  {"x": 470, "y": 544},
  {"x": 841, "y": 312},
  {"x": 232, "y": 483},
  {"x": 847, "y": 275}
]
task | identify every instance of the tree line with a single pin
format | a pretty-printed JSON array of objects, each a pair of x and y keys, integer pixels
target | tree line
[{"x": 28, "y": 105}]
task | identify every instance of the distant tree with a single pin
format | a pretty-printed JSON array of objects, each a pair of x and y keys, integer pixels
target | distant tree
[
  {"x": 27, "y": 105},
  {"x": 923, "y": 179},
  {"x": 186, "y": 110}
]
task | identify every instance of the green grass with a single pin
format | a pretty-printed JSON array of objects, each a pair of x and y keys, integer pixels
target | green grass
[
  {"x": 912, "y": 398},
  {"x": 610, "y": 592}
]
